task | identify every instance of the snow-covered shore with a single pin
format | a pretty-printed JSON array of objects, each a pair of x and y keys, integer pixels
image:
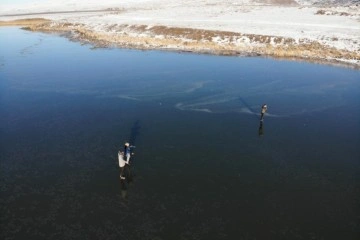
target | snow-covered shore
[{"x": 280, "y": 28}]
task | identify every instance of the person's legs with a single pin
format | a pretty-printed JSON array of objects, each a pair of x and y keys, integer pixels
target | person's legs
[{"x": 122, "y": 173}]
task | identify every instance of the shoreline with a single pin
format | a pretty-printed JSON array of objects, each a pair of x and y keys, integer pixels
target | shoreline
[{"x": 214, "y": 42}]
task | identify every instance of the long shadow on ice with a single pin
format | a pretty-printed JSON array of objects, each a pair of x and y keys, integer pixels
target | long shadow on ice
[
  {"x": 134, "y": 132},
  {"x": 252, "y": 111}
]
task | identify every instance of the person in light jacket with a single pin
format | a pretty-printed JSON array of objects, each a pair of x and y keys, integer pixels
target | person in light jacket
[
  {"x": 263, "y": 111},
  {"x": 122, "y": 163}
]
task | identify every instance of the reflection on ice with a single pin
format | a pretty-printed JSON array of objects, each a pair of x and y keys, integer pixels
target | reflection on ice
[
  {"x": 181, "y": 106},
  {"x": 128, "y": 97},
  {"x": 196, "y": 86}
]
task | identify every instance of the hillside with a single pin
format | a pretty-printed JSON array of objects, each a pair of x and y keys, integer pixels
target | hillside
[{"x": 325, "y": 31}]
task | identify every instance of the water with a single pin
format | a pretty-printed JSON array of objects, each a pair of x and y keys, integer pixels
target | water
[{"x": 204, "y": 166}]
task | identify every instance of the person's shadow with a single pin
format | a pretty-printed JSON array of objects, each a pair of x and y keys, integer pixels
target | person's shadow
[
  {"x": 123, "y": 188},
  {"x": 248, "y": 107},
  {"x": 135, "y": 131},
  {"x": 261, "y": 129},
  {"x": 124, "y": 183}
]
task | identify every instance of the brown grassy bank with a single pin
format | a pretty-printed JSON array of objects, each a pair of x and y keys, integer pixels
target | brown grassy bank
[
  {"x": 24, "y": 22},
  {"x": 195, "y": 40}
]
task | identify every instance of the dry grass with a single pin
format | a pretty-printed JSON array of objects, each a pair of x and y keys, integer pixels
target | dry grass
[
  {"x": 279, "y": 2},
  {"x": 320, "y": 12},
  {"x": 323, "y": 12},
  {"x": 24, "y": 22}
]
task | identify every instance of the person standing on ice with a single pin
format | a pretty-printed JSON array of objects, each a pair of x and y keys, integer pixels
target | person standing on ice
[
  {"x": 127, "y": 152},
  {"x": 121, "y": 164},
  {"x": 263, "y": 111}
]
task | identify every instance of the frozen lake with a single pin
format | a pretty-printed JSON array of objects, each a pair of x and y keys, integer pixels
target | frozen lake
[{"x": 204, "y": 167}]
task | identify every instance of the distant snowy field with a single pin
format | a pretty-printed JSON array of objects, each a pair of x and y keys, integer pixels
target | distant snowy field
[
  {"x": 330, "y": 24},
  {"x": 65, "y": 5}
]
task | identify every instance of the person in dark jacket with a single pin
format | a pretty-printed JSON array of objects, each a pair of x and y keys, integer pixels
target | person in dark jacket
[{"x": 127, "y": 152}]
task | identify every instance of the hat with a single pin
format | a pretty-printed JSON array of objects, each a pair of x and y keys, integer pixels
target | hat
[{"x": 127, "y": 144}]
